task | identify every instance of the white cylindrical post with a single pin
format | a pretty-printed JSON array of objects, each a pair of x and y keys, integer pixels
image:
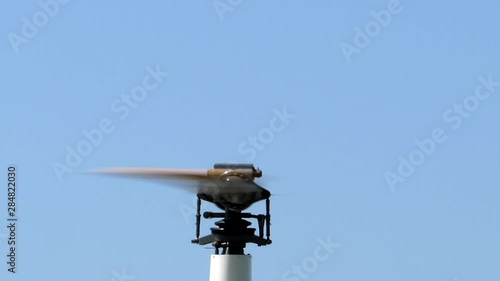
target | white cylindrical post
[{"x": 230, "y": 268}]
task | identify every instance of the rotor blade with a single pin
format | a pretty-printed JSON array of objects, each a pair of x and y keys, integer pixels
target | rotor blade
[
  {"x": 195, "y": 180},
  {"x": 158, "y": 173},
  {"x": 186, "y": 179}
]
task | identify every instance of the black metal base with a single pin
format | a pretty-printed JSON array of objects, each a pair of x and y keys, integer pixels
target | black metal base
[{"x": 232, "y": 232}]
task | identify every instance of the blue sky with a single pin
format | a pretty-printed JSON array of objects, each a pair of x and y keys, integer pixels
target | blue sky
[{"x": 375, "y": 124}]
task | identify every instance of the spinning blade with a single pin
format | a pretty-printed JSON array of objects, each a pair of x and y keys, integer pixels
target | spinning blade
[{"x": 227, "y": 188}]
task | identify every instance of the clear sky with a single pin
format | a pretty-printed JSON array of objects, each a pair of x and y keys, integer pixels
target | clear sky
[{"x": 375, "y": 124}]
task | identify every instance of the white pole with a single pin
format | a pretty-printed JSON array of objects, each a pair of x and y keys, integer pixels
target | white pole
[{"x": 230, "y": 268}]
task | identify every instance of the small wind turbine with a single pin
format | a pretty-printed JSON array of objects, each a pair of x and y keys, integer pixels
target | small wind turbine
[{"x": 230, "y": 187}]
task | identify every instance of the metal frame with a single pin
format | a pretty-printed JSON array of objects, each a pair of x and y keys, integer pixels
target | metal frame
[{"x": 232, "y": 232}]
